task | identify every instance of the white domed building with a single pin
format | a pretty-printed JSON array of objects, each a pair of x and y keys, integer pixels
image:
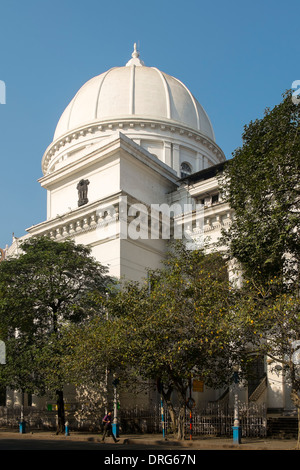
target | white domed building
[
  {"x": 134, "y": 144},
  {"x": 119, "y": 148}
]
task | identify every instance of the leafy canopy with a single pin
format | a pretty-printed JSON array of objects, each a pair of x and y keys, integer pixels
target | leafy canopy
[
  {"x": 261, "y": 184},
  {"x": 179, "y": 325},
  {"x": 48, "y": 286}
]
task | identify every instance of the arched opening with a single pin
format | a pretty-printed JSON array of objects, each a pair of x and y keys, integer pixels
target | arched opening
[{"x": 185, "y": 169}]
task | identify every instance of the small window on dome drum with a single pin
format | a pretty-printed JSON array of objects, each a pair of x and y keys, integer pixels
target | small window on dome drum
[{"x": 185, "y": 169}]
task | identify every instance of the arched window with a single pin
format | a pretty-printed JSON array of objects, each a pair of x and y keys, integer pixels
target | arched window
[{"x": 185, "y": 169}]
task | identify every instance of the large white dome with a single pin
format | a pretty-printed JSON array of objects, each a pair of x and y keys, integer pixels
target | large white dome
[
  {"x": 152, "y": 108},
  {"x": 134, "y": 91}
]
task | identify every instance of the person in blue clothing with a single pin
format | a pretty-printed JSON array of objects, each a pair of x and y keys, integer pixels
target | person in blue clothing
[{"x": 107, "y": 422}]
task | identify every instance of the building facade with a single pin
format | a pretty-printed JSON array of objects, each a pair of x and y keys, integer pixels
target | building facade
[{"x": 133, "y": 153}]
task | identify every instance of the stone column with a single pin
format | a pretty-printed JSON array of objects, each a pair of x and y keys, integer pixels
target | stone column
[
  {"x": 176, "y": 158},
  {"x": 168, "y": 154},
  {"x": 199, "y": 162}
]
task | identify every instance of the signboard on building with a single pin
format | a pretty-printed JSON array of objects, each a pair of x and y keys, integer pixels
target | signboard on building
[{"x": 198, "y": 386}]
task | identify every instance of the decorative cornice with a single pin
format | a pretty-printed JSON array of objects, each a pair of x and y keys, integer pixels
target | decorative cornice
[
  {"x": 112, "y": 143},
  {"x": 105, "y": 213},
  {"x": 78, "y": 221},
  {"x": 100, "y": 129}
]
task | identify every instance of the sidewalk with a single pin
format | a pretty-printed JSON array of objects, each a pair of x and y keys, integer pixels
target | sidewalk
[
  {"x": 197, "y": 443},
  {"x": 215, "y": 443}
]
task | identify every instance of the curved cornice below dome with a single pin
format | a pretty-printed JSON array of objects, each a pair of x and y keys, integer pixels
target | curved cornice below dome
[{"x": 86, "y": 135}]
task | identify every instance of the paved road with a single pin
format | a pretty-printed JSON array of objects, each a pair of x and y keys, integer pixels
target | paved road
[
  {"x": 28, "y": 444},
  {"x": 143, "y": 444},
  {"x": 15, "y": 441}
]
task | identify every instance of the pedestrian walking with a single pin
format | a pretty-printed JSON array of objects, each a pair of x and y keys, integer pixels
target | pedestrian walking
[{"x": 107, "y": 421}]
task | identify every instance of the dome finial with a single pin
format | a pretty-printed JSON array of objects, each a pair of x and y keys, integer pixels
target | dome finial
[
  {"x": 135, "y": 57},
  {"x": 135, "y": 51}
]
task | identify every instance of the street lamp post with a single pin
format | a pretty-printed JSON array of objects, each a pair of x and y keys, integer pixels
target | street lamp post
[
  {"x": 162, "y": 415},
  {"x": 115, "y": 423},
  {"x": 22, "y": 424},
  {"x": 236, "y": 421}
]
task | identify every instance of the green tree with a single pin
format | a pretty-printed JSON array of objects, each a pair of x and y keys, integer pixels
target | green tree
[
  {"x": 88, "y": 361},
  {"x": 50, "y": 285},
  {"x": 177, "y": 327},
  {"x": 261, "y": 184},
  {"x": 270, "y": 313}
]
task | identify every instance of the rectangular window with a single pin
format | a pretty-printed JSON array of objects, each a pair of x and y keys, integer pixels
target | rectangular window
[{"x": 215, "y": 198}]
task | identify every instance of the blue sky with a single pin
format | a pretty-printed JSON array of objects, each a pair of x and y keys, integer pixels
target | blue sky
[{"x": 236, "y": 57}]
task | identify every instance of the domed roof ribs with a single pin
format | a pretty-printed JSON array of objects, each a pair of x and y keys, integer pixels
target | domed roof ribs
[
  {"x": 104, "y": 75},
  {"x": 132, "y": 91},
  {"x": 70, "y": 110},
  {"x": 193, "y": 101},
  {"x": 167, "y": 94}
]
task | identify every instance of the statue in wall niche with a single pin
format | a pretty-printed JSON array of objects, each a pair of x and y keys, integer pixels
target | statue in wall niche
[{"x": 82, "y": 189}]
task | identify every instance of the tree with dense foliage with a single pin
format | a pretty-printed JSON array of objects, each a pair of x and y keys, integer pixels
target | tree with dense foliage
[
  {"x": 270, "y": 313},
  {"x": 88, "y": 361},
  {"x": 261, "y": 184},
  {"x": 177, "y": 327},
  {"x": 48, "y": 286}
]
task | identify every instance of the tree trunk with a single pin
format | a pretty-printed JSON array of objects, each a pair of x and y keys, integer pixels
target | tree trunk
[
  {"x": 177, "y": 421},
  {"x": 173, "y": 417},
  {"x": 60, "y": 412},
  {"x": 181, "y": 423},
  {"x": 167, "y": 399}
]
